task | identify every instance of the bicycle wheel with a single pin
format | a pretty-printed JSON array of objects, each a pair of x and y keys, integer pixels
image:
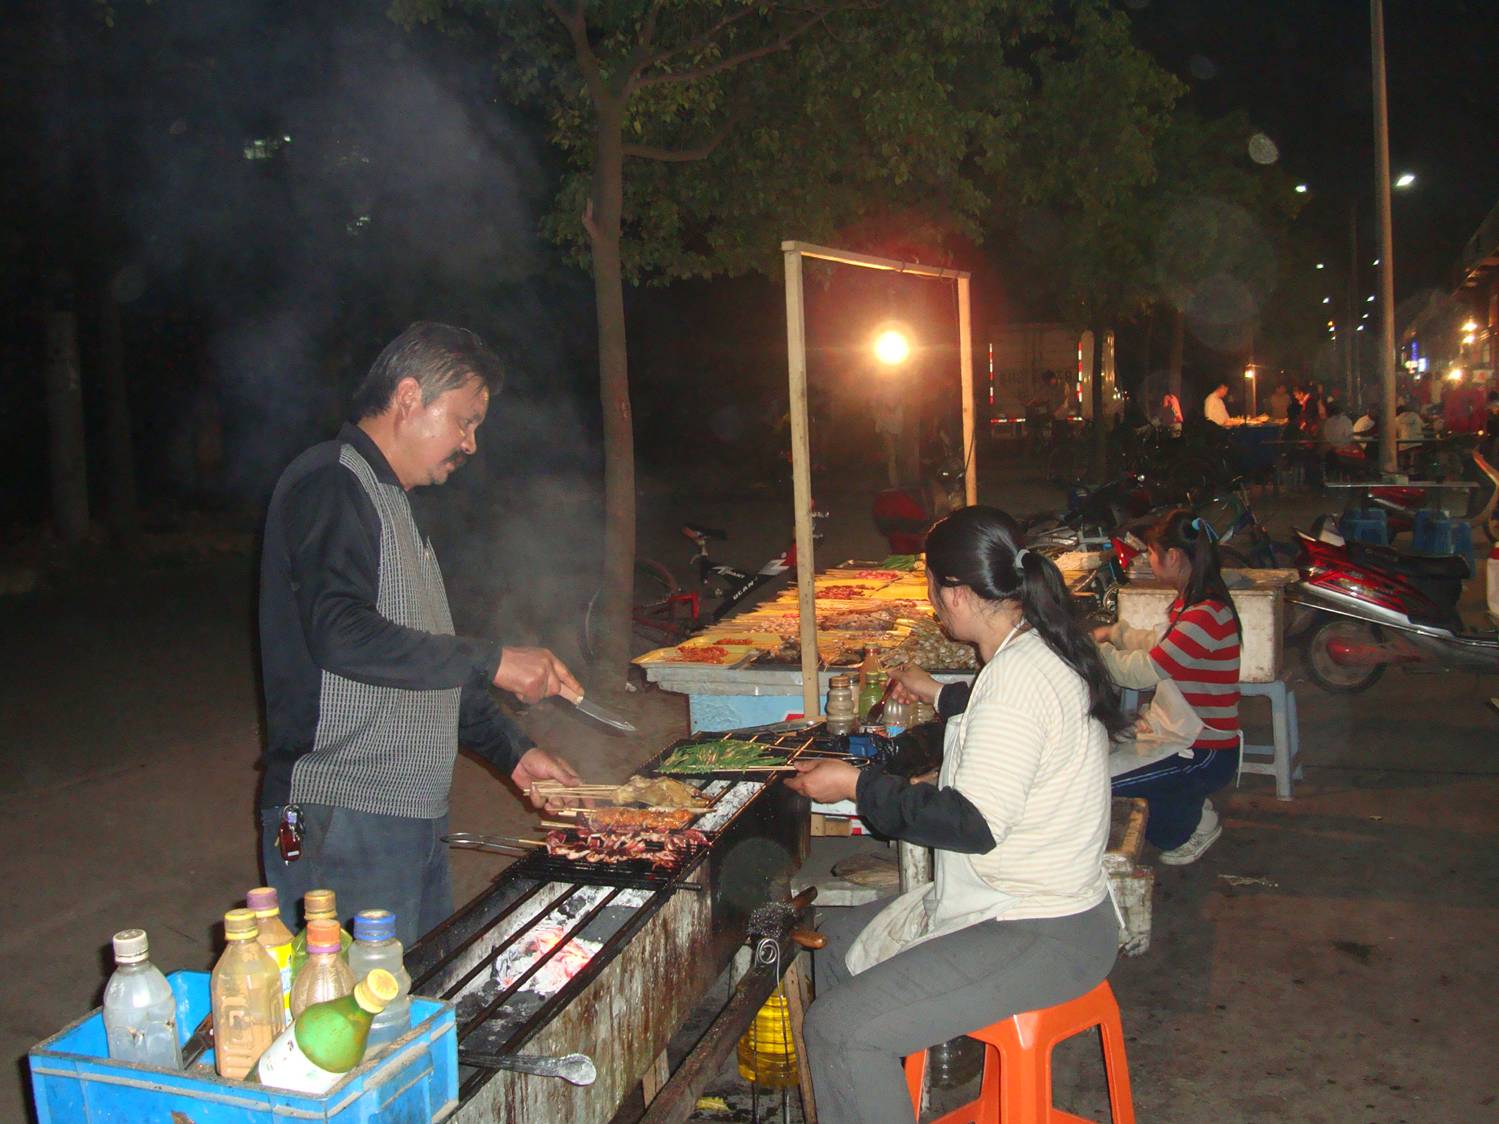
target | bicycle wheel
[{"x": 650, "y": 611}]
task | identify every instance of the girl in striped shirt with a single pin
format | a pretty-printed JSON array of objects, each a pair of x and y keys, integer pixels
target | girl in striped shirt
[{"x": 1199, "y": 652}]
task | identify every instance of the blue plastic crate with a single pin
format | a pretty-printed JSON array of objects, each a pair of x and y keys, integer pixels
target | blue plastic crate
[{"x": 73, "y": 1079}]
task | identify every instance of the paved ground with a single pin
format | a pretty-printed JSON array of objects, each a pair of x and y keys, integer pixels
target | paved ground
[{"x": 1350, "y": 978}]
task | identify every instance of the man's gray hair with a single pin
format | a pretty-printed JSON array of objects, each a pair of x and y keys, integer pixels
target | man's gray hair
[{"x": 439, "y": 357}]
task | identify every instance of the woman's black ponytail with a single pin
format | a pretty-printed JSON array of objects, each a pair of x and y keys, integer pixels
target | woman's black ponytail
[
  {"x": 1194, "y": 536},
  {"x": 982, "y": 548}
]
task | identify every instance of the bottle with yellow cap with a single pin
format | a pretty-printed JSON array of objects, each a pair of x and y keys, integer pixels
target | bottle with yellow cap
[
  {"x": 246, "y": 993},
  {"x": 317, "y": 905},
  {"x": 327, "y": 1039},
  {"x": 275, "y": 936}
]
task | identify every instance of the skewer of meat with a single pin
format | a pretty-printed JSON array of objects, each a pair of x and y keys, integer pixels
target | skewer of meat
[{"x": 659, "y": 848}]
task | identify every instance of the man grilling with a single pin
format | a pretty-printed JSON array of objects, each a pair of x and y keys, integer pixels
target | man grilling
[{"x": 367, "y": 690}]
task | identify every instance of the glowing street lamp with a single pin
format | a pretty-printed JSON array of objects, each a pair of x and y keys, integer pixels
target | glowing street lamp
[
  {"x": 1470, "y": 326},
  {"x": 1407, "y": 179},
  {"x": 1301, "y": 189},
  {"x": 891, "y": 346}
]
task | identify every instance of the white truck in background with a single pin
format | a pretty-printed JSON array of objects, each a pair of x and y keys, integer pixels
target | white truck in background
[{"x": 1020, "y": 355}]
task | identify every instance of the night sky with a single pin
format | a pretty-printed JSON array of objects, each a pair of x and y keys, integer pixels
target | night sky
[
  {"x": 261, "y": 290},
  {"x": 1301, "y": 68}
]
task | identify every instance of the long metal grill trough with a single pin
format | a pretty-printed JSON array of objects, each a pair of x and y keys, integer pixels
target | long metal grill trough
[{"x": 546, "y": 965}]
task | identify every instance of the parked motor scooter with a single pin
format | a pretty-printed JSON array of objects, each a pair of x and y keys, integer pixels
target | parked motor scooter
[
  {"x": 1373, "y": 607},
  {"x": 1092, "y": 516},
  {"x": 904, "y": 515}
]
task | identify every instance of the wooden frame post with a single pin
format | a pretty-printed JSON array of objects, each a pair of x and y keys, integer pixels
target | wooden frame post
[{"x": 801, "y": 460}]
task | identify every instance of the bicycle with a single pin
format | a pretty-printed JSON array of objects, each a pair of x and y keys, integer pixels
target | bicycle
[
  {"x": 1243, "y": 542},
  {"x": 663, "y": 614}
]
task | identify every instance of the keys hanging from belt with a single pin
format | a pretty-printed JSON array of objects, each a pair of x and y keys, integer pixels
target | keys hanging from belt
[{"x": 289, "y": 834}]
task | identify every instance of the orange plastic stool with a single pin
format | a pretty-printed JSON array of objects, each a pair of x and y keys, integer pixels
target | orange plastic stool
[{"x": 1016, "y": 1086}]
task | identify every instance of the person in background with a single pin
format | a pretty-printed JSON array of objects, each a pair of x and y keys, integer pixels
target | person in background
[
  {"x": 1280, "y": 403},
  {"x": 1366, "y": 428},
  {"x": 368, "y": 692},
  {"x": 1214, "y": 407},
  {"x": 1317, "y": 407},
  {"x": 1168, "y": 414},
  {"x": 1408, "y": 424},
  {"x": 1018, "y": 916},
  {"x": 1199, "y": 652}
]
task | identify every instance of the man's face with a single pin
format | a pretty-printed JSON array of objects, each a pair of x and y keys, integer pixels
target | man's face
[{"x": 436, "y": 438}]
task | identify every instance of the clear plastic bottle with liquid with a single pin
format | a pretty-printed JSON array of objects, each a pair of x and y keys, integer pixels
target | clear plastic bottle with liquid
[
  {"x": 326, "y": 975},
  {"x": 246, "y": 992},
  {"x": 274, "y": 936},
  {"x": 140, "y": 1011},
  {"x": 317, "y": 905},
  {"x": 375, "y": 946}
]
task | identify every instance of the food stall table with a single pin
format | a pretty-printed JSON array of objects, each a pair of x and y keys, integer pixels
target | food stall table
[{"x": 745, "y": 670}]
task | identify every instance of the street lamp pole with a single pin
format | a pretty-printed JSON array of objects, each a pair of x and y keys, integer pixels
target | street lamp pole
[
  {"x": 1387, "y": 461},
  {"x": 1350, "y": 322}
]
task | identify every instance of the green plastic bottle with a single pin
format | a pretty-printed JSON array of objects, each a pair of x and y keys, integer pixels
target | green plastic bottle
[
  {"x": 317, "y": 905},
  {"x": 328, "y": 1039}
]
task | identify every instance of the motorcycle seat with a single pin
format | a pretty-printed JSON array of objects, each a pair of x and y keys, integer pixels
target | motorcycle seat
[{"x": 1439, "y": 567}]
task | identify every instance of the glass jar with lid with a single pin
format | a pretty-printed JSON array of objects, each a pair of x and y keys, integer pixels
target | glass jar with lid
[{"x": 840, "y": 707}]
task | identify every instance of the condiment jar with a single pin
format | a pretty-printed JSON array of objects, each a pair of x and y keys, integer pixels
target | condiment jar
[
  {"x": 840, "y": 708},
  {"x": 871, "y": 693}
]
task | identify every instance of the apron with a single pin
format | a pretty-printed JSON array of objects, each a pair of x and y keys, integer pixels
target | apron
[{"x": 957, "y": 897}]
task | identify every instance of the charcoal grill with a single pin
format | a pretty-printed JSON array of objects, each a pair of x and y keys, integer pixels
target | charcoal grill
[{"x": 660, "y": 950}]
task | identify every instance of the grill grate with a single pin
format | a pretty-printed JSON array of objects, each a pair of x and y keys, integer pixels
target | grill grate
[
  {"x": 635, "y": 874},
  {"x": 807, "y": 744}
]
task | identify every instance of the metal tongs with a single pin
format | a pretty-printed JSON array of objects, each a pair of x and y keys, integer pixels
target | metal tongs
[
  {"x": 498, "y": 844},
  {"x": 576, "y": 1068}
]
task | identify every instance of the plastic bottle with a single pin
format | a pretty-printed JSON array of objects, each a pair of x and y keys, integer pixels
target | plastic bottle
[
  {"x": 326, "y": 975},
  {"x": 896, "y": 717},
  {"x": 275, "y": 936},
  {"x": 767, "y": 1052},
  {"x": 246, "y": 992},
  {"x": 375, "y": 946},
  {"x": 317, "y": 905},
  {"x": 328, "y": 1039},
  {"x": 140, "y": 1011}
]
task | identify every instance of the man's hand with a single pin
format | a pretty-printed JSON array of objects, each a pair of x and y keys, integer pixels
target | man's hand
[
  {"x": 827, "y": 782},
  {"x": 1102, "y": 633},
  {"x": 533, "y": 674},
  {"x": 912, "y": 684},
  {"x": 539, "y": 765}
]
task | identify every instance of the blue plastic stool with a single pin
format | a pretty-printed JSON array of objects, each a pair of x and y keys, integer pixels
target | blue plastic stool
[
  {"x": 1367, "y": 525},
  {"x": 1435, "y": 532}
]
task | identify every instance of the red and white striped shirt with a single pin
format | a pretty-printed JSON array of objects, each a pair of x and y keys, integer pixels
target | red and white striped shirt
[{"x": 1200, "y": 653}]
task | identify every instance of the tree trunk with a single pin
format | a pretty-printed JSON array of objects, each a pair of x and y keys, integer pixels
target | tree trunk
[
  {"x": 67, "y": 459},
  {"x": 119, "y": 457},
  {"x": 614, "y": 388},
  {"x": 1145, "y": 364},
  {"x": 1178, "y": 340},
  {"x": 1100, "y": 420}
]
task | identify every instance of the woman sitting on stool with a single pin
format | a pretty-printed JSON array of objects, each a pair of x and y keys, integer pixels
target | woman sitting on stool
[
  {"x": 1199, "y": 651},
  {"x": 1017, "y": 917}
]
